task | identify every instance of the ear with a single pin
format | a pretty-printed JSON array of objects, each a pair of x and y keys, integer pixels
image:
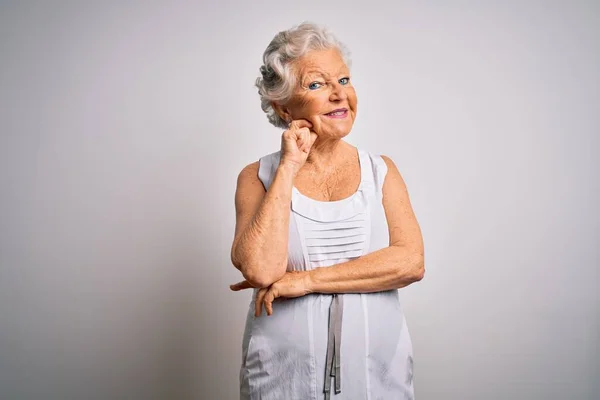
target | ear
[{"x": 282, "y": 111}]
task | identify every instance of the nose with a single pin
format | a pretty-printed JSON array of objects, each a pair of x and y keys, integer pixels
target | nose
[{"x": 338, "y": 92}]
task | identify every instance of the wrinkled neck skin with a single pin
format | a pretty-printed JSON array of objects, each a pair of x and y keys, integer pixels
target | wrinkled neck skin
[{"x": 327, "y": 154}]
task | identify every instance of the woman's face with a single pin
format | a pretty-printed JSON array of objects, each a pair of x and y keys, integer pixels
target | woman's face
[{"x": 324, "y": 94}]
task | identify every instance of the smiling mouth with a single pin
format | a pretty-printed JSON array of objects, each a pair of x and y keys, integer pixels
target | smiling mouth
[{"x": 339, "y": 113}]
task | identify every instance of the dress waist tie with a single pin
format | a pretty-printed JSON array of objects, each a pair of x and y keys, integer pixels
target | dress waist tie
[{"x": 332, "y": 368}]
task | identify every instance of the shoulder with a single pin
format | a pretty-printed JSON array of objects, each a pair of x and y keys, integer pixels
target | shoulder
[
  {"x": 388, "y": 161},
  {"x": 393, "y": 176},
  {"x": 259, "y": 171},
  {"x": 248, "y": 179},
  {"x": 249, "y": 171},
  {"x": 389, "y": 164}
]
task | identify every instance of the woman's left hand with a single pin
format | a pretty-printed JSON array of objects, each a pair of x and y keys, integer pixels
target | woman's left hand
[{"x": 292, "y": 284}]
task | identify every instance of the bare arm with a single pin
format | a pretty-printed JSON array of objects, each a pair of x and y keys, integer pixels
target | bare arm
[
  {"x": 259, "y": 248},
  {"x": 396, "y": 266},
  {"x": 260, "y": 244}
]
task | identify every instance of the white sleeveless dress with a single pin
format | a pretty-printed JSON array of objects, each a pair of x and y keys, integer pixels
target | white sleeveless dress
[{"x": 341, "y": 346}]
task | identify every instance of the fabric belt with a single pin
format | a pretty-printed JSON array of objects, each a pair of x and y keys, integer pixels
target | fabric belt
[{"x": 334, "y": 340}]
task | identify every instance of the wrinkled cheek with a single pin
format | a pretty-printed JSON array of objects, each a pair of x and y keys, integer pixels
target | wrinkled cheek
[
  {"x": 316, "y": 123},
  {"x": 302, "y": 106},
  {"x": 352, "y": 99}
]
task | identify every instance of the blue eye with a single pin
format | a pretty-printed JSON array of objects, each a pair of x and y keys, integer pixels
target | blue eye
[
  {"x": 314, "y": 85},
  {"x": 344, "y": 81}
]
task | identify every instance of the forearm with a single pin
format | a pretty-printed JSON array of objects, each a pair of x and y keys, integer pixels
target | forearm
[
  {"x": 385, "y": 269},
  {"x": 260, "y": 252}
]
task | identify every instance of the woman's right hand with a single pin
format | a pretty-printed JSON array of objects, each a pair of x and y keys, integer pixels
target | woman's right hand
[{"x": 296, "y": 143}]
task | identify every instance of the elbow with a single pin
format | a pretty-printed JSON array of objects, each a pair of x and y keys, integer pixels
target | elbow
[
  {"x": 419, "y": 274},
  {"x": 258, "y": 276},
  {"x": 251, "y": 274},
  {"x": 411, "y": 269},
  {"x": 258, "y": 282},
  {"x": 259, "y": 279},
  {"x": 418, "y": 268},
  {"x": 410, "y": 265},
  {"x": 255, "y": 272}
]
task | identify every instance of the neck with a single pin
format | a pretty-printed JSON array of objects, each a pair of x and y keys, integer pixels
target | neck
[{"x": 326, "y": 154}]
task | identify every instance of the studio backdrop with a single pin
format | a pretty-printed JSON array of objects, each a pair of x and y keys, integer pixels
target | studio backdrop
[{"x": 124, "y": 126}]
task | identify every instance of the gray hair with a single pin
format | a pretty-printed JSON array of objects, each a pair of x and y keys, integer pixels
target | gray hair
[{"x": 278, "y": 80}]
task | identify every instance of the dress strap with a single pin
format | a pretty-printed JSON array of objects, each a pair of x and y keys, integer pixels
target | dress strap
[
  {"x": 380, "y": 171},
  {"x": 375, "y": 171},
  {"x": 366, "y": 169},
  {"x": 267, "y": 166}
]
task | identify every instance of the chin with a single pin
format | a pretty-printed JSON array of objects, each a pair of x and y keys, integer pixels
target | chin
[
  {"x": 343, "y": 131},
  {"x": 336, "y": 133},
  {"x": 339, "y": 131}
]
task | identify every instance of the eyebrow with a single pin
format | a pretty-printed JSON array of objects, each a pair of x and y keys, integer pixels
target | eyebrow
[
  {"x": 313, "y": 72},
  {"x": 342, "y": 71}
]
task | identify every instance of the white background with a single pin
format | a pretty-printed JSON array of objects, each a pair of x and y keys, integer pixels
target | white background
[{"x": 123, "y": 128}]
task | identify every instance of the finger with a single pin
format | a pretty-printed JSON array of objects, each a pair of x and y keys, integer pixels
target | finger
[
  {"x": 302, "y": 139},
  {"x": 302, "y": 136},
  {"x": 268, "y": 301},
  {"x": 307, "y": 141},
  {"x": 294, "y": 134},
  {"x": 258, "y": 303},
  {"x": 240, "y": 286},
  {"x": 311, "y": 140},
  {"x": 300, "y": 123},
  {"x": 313, "y": 137},
  {"x": 305, "y": 135},
  {"x": 300, "y": 142}
]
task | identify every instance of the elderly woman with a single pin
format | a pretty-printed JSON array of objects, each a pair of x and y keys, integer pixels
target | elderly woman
[{"x": 325, "y": 234}]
